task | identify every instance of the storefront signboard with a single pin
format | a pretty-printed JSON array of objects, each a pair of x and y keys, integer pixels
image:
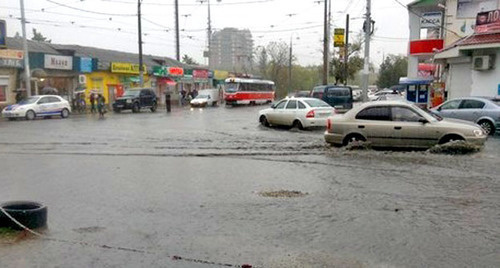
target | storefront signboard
[
  {"x": 488, "y": 21},
  {"x": 175, "y": 71},
  {"x": 126, "y": 68},
  {"x": 11, "y": 63},
  {"x": 200, "y": 74},
  {"x": 85, "y": 65},
  {"x": 431, "y": 20},
  {"x": 58, "y": 62},
  {"x": 11, "y": 54},
  {"x": 161, "y": 71},
  {"x": 3, "y": 34}
]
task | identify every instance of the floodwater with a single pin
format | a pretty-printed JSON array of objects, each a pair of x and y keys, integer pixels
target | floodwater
[{"x": 185, "y": 190}]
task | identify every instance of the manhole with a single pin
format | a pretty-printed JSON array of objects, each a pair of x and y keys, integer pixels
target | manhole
[{"x": 282, "y": 193}]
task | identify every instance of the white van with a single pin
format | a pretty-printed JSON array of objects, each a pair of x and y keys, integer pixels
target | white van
[{"x": 206, "y": 97}]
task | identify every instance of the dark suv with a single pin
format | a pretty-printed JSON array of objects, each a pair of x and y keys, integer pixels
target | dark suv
[{"x": 135, "y": 99}]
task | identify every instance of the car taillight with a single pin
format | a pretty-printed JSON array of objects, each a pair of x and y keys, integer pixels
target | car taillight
[
  {"x": 328, "y": 124},
  {"x": 310, "y": 114}
]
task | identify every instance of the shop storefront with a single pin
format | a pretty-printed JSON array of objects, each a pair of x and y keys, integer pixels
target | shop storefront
[
  {"x": 166, "y": 81},
  {"x": 53, "y": 74},
  {"x": 113, "y": 82},
  {"x": 11, "y": 61}
]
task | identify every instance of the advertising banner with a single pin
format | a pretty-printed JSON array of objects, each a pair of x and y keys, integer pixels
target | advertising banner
[{"x": 11, "y": 54}]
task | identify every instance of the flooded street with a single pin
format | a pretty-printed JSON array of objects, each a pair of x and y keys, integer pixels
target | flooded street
[{"x": 190, "y": 184}]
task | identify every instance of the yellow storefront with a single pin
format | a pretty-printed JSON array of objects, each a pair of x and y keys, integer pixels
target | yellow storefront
[{"x": 111, "y": 84}]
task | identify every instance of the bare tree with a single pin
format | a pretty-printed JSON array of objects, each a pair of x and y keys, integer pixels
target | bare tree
[{"x": 277, "y": 67}]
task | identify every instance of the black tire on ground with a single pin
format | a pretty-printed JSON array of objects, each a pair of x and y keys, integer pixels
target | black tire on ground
[
  {"x": 117, "y": 110},
  {"x": 153, "y": 108},
  {"x": 64, "y": 113},
  {"x": 450, "y": 138},
  {"x": 488, "y": 127},
  {"x": 30, "y": 214},
  {"x": 135, "y": 108},
  {"x": 352, "y": 138},
  {"x": 263, "y": 120},
  {"x": 214, "y": 103},
  {"x": 297, "y": 124},
  {"x": 30, "y": 115},
  {"x": 12, "y": 119}
]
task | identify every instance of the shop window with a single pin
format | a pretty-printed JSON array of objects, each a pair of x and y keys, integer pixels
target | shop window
[{"x": 470, "y": 8}]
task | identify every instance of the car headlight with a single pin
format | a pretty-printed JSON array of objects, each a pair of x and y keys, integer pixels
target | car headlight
[
  {"x": 478, "y": 132},
  {"x": 129, "y": 101}
]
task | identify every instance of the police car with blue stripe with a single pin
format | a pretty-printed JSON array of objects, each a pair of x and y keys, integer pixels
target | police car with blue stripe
[{"x": 38, "y": 106}]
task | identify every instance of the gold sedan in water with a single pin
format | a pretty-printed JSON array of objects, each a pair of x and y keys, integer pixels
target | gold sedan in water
[{"x": 399, "y": 124}]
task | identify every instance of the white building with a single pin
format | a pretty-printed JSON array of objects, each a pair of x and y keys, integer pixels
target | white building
[
  {"x": 445, "y": 43},
  {"x": 231, "y": 49}
]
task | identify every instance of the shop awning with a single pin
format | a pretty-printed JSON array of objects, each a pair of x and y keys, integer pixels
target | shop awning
[{"x": 166, "y": 80}]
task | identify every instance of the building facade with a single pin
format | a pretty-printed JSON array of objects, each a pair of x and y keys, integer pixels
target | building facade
[
  {"x": 459, "y": 40},
  {"x": 231, "y": 49}
]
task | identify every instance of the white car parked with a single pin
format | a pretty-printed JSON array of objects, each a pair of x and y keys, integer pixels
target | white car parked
[
  {"x": 38, "y": 106},
  {"x": 297, "y": 112}
]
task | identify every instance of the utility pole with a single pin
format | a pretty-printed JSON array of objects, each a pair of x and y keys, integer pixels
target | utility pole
[
  {"x": 209, "y": 33},
  {"x": 27, "y": 72},
  {"x": 325, "y": 45},
  {"x": 368, "y": 32},
  {"x": 346, "y": 50},
  {"x": 141, "y": 69},
  {"x": 177, "y": 44},
  {"x": 290, "y": 67}
]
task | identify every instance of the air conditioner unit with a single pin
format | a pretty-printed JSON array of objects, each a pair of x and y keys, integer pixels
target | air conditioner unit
[{"x": 482, "y": 63}]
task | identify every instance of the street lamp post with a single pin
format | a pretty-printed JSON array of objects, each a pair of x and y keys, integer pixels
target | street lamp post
[{"x": 290, "y": 64}]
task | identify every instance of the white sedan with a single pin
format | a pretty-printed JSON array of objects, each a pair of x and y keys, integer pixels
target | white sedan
[
  {"x": 297, "y": 112},
  {"x": 38, "y": 106}
]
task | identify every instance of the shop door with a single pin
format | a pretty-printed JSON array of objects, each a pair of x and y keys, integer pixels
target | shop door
[{"x": 111, "y": 93}]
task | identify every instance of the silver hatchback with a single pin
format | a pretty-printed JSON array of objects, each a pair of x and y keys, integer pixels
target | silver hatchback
[{"x": 482, "y": 111}]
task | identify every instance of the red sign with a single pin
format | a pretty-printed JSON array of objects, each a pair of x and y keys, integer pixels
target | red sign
[
  {"x": 200, "y": 74},
  {"x": 488, "y": 21},
  {"x": 427, "y": 46},
  {"x": 175, "y": 71}
]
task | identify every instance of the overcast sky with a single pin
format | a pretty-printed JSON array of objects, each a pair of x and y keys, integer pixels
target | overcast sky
[{"x": 112, "y": 24}]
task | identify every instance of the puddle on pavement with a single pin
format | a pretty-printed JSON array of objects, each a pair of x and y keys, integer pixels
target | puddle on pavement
[
  {"x": 282, "y": 193},
  {"x": 358, "y": 145}
]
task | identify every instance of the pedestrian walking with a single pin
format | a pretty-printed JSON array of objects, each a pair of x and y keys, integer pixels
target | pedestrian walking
[
  {"x": 92, "y": 102},
  {"x": 101, "y": 105}
]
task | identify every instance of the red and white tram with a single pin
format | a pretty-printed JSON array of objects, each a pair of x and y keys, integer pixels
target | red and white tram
[{"x": 248, "y": 91}]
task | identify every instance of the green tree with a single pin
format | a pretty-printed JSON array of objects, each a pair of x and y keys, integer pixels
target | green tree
[
  {"x": 355, "y": 62},
  {"x": 262, "y": 61},
  {"x": 393, "y": 67},
  {"x": 188, "y": 60},
  {"x": 277, "y": 66},
  {"x": 38, "y": 36}
]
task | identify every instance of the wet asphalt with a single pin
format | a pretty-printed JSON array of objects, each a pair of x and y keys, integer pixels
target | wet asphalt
[{"x": 135, "y": 190}]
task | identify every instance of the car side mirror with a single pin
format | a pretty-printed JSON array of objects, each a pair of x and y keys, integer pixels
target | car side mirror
[
  {"x": 273, "y": 105},
  {"x": 423, "y": 121}
]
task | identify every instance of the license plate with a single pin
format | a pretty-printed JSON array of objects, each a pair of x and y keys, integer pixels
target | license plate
[{"x": 119, "y": 105}]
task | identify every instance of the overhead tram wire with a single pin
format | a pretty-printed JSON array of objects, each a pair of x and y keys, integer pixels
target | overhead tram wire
[
  {"x": 90, "y": 11},
  {"x": 219, "y": 4}
]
